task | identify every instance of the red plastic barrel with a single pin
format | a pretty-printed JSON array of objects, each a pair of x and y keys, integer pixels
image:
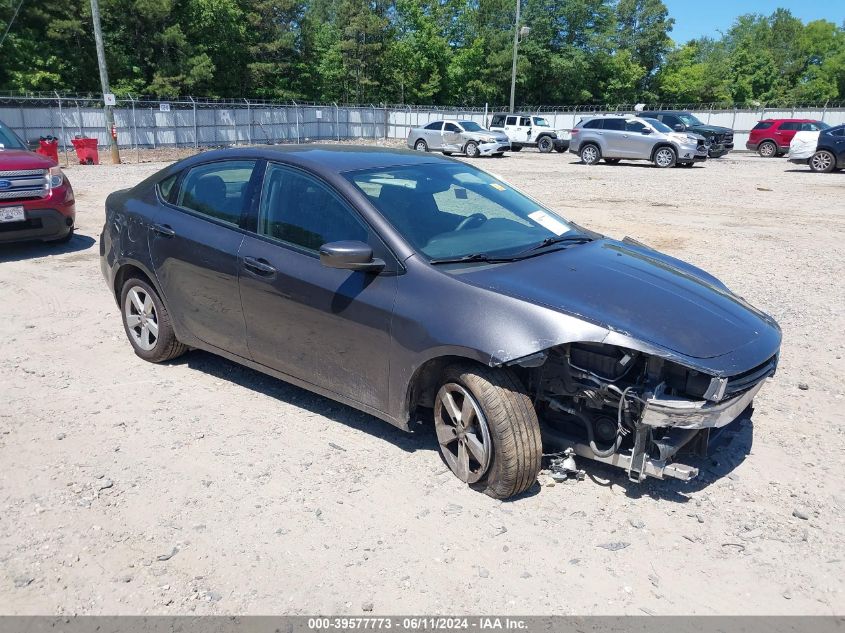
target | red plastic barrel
[
  {"x": 86, "y": 151},
  {"x": 49, "y": 147}
]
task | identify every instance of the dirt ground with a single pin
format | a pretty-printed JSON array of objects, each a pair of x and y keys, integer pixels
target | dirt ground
[{"x": 200, "y": 486}]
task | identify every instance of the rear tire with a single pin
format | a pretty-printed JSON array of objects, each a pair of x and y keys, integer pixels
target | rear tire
[
  {"x": 502, "y": 445},
  {"x": 147, "y": 324},
  {"x": 823, "y": 162},
  {"x": 420, "y": 145},
  {"x": 590, "y": 154},
  {"x": 545, "y": 144},
  {"x": 767, "y": 149}
]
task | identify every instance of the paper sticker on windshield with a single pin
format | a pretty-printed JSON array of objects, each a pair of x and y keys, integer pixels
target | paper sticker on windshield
[
  {"x": 548, "y": 222},
  {"x": 496, "y": 185}
]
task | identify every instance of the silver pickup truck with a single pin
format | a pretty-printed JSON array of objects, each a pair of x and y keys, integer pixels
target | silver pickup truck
[{"x": 458, "y": 137}]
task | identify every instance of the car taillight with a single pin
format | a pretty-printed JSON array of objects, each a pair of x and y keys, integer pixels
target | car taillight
[{"x": 574, "y": 131}]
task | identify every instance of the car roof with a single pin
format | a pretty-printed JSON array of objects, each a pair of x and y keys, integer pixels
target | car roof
[
  {"x": 326, "y": 158},
  {"x": 789, "y": 120}
]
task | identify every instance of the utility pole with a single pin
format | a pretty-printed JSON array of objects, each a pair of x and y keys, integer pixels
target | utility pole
[
  {"x": 517, "y": 33},
  {"x": 104, "y": 80}
]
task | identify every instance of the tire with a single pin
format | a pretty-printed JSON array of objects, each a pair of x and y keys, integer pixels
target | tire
[
  {"x": 685, "y": 164},
  {"x": 545, "y": 144},
  {"x": 822, "y": 161},
  {"x": 560, "y": 149},
  {"x": 767, "y": 149},
  {"x": 447, "y": 153},
  {"x": 420, "y": 145},
  {"x": 665, "y": 157},
  {"x": 165, "y": 346},
  {"x": 612, "y": 161},
  {"x": 516, "y": 148},
  {"x": 590, "y": 154},
  {"x": 512, "y": 439},
  {"x": 63, "y": 240},
  {"x": 471, "y": 149}
]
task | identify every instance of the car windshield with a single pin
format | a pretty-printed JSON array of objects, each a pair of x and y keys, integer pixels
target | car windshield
[
  {"x": 451, "y": 210},
  {"x": 10, "y": 140},
  {"x": 822, "y": 125},
  {"x": 541, "y": 122},
  {"x": 471, "y": 126},
  {"x": 689, "y": 119},
  {"x": 658, "y": 125}
]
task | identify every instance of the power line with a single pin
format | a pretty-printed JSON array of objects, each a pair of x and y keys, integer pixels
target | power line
[{"x": 11, "y": 22}]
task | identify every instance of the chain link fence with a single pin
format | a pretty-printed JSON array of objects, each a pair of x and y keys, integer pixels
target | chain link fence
[{"x": 189, "y": 122}]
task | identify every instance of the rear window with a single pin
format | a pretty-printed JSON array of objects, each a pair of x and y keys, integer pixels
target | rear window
[{"x": 763, "y": 125}]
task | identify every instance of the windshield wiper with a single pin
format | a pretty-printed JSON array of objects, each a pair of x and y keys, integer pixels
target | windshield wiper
[
  {"x": 474, "y": 257},
  {"x": 551, "y": 241}
]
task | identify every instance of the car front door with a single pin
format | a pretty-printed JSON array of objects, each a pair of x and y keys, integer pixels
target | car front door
[
  {"x": 324, "y": 326},
  {"x": 637, "y": 140},
  {"x": 194, "y": 246},
  {"x": 452, "y": 141}
]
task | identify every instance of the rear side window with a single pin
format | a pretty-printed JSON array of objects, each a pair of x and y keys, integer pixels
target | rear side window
[
  {"x": 217, "y": 190},
  {"x": 512, "y": 120},
  {"x": 165, "y": 187},
  {"x": 789, "y": 125},
  {"x": 525, "y": 120},
  {"x": 595, "y": 124},
  {"x": 434, "y": 126},
  {"x": 763, "y": 125},
  {"x": 614, "y": 124}
]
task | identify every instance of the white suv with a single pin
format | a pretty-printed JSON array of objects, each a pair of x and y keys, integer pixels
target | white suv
[{"x": 529, "y": 130}]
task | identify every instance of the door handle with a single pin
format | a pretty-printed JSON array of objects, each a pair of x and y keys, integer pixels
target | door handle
[
  {"x": 259, "y": 266},
  {"x": 164, "y": 230}
]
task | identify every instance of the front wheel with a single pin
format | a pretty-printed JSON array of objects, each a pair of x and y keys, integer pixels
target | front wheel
[
  {"x": 665, "y": 157},
  {"x": 147, "y": 323},
  {"x": 545, "y": 145},
  {"x": 823, "y": 161},
  {"x": 487, "y": 429},
  {"x": 471, "y": 149},
  {"x": 421, "y": 145}
]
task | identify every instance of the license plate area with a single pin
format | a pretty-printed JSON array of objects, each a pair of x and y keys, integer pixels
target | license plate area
[{"x": 12, "y": 214}]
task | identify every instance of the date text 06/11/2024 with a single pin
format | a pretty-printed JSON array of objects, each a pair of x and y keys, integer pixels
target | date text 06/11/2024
[{"x": 422, "y": 623}]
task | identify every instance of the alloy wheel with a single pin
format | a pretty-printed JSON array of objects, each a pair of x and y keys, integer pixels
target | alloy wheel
[
  {"x": 589, "y": 155},
  {"x": 462, "y": 433},
  {"x": 421, "y": 146},
  {"x": 664, "y": 157},
  {"x": 767, "y": 150},
  {"x": 141, "y": 318},
  {"x": 821, "y": 161},
  {"x": 472, "y": 150}
]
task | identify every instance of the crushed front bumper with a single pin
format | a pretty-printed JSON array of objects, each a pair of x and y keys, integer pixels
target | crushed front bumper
[
  {"x": 682, "y": 413},
  {"x": 488, "y": 149}
]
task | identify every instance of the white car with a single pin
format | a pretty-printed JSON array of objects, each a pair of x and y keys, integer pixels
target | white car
[{"x": 803, "y": 146}]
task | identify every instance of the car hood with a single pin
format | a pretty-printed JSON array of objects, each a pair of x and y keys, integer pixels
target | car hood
[
  {"x": 635, "y": 291},
  {"x": 15, "y": 159},
  {"x": 500, "y": 137},
  {"x": 709, "y": 129}
]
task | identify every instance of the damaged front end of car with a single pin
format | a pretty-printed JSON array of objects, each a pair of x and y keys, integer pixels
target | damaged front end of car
[{"x": 632, "y": 409}]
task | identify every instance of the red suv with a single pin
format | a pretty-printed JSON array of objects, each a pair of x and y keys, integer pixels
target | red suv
[
  {"x": 36, "y": 200},
  {"x": 771, "y": 137}
]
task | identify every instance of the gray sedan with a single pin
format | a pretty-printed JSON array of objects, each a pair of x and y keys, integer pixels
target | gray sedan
[{"x": 458, "y": 137}]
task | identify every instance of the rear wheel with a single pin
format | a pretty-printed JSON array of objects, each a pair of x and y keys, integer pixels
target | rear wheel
[
  {"x": 471, "y": 149},
  {"x": 823, "y": 161},
  {"x": 767, "y": 149},
  {"x": 590, "y": 154},
  {"x": 421, "y": 145},
  {"x": 147, "y": 323},
  {"x": 560, "y": 149},
  {"x": 487, "y": 429},
  {"x": 665, "y": 157},
  {"x": 545, "y": 144}
]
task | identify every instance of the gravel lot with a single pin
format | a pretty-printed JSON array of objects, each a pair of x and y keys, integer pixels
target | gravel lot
[{"x": 200, "y": 486}]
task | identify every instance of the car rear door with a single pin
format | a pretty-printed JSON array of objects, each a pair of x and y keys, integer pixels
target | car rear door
[
  {"x": 613, "y": 137},
  {"x": 785, "y": 133},
  {"x": 324, "y": 326},
  {"x": 513, "y": 129},
  {"x": 194, "y": 245},
  {"x": 433, "y": 135}
]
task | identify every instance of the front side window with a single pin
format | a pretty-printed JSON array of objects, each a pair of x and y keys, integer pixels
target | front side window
[
  {"x": 541, "y": 122},
  {"x": 471, "y": 126},
  {"x": 659, "y": 126},
  {"x": 813, "y": 126},
  {"x": 635, "y": 126},
  {"x": 299, "y": 209},
  {"x": 447, "y": 210},
  {"x": 217, "y": 190},
  {"x": 451, "y": 127}
]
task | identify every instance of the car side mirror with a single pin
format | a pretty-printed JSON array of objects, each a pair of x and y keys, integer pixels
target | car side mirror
[
  {"x": 679, "y": 127},
  {"x": 350, "y": 255},
  {"x": 646, "y": 130}
]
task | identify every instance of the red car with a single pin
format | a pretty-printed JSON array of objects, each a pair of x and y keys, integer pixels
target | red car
[
  {"x": 771, "y": 137},
  {"x": 36, "y": 199}
]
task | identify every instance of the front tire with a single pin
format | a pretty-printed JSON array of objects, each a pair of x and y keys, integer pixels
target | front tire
[
  {"x": 487, "y": 429},
  {"x": 823, "y": 161},
  {"x": 420, "y": 145},
  {"x": 665, "y": 157},
  {"x": 767, "y": 149},
  {"x": 147, "y": 324},
  {"x": 590, "y": 154},
  {"x": 471, "y": 149},
  {"x": 545, "y": 145}
]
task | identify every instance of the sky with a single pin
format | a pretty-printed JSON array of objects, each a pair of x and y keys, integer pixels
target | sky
[{"x": 694, "y": 18}]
